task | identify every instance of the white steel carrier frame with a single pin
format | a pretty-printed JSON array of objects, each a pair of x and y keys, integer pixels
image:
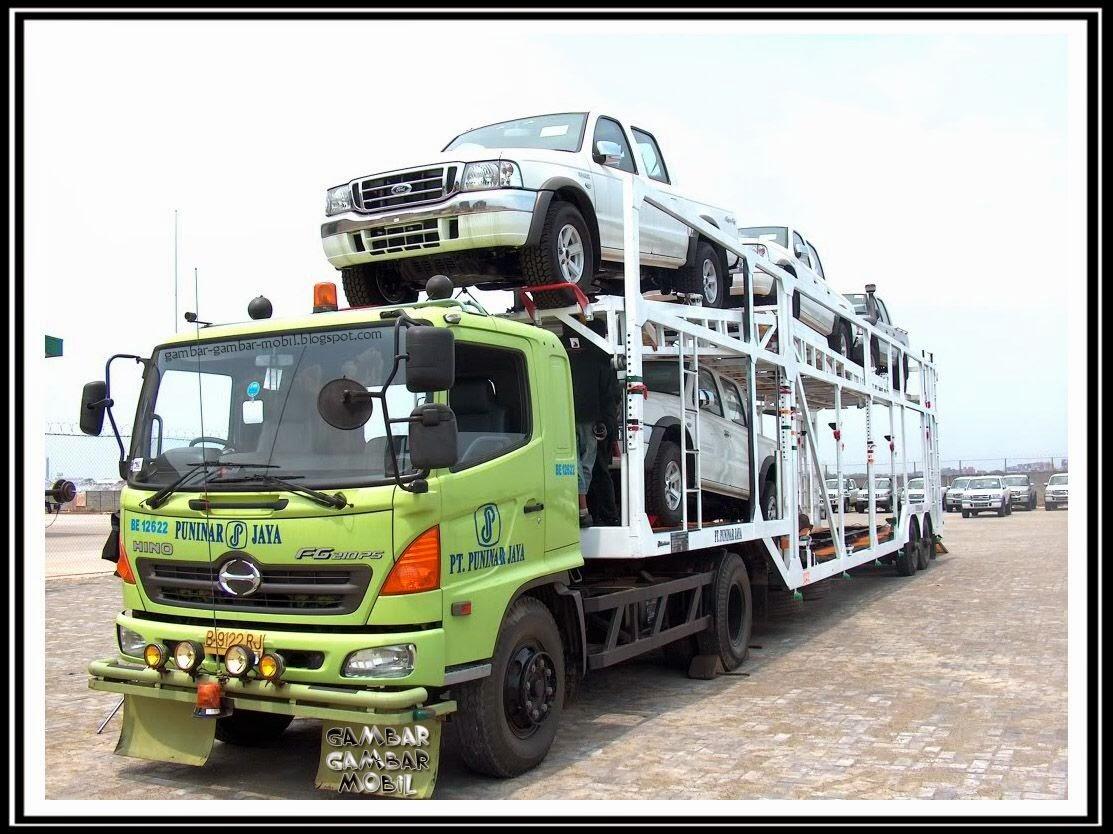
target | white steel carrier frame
[{"x": 785, "y": 369}]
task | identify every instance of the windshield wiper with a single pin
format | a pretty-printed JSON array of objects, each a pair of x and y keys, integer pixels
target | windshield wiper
[
  {"x": 159, "y": 498},
  {"x": 337, "y": 500}
]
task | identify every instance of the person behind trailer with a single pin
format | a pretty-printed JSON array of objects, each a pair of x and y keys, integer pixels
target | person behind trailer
[
  {"x": 600, "y": 493},
  {"x": 595, "y": 393}
]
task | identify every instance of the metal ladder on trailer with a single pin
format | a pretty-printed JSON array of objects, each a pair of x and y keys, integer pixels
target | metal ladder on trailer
[{"x": 688, "y": 352}]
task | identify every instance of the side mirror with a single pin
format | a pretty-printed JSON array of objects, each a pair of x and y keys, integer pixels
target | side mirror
[
  {"x": 93, "y": 404},
  {"x": 433, "y": 436},
  {"x": 704, "y": 398},
  {"x": 607, "y": 153},
  {"x": 431, "y": 362},
  {"x": 799, "y": 250}
]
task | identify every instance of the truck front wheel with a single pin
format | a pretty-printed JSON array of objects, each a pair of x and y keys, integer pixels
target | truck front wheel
[
  {"x": 507, "y": 721},
  {"x": 563, "y": 255},
  {"x": 372, "y": 285},
  {"x": 245, "y": 728}
]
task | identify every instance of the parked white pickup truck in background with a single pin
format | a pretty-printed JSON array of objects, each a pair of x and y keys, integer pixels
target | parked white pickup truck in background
[{"x": 536, "y": 201}]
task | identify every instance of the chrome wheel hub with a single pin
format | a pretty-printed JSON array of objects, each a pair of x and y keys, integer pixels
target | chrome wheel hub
[
  {"x": 674, "y": 490},
  {"x": 570, "y": 254}
]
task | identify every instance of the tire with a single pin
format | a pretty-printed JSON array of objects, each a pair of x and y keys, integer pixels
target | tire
[
  {"x": 245, "y": 728},
  {"x": 839, "y": 340},
  {"x": 1048, "y": 506},
  {"x": 908, "y": 557},
  {"x": 904, "y": 373},
  {"x": 707, "y": 277},
  {"x": 493, "y": 733},
  {"x": 732, "y": 614},
  {"x": 563, "y": 255},
  {"x": 769, "y": 500},
  {"x": 368, "y": 285},
  {"x": 965, "y": 514},
  {"x": 927, "y": 545},
  {"x": 664, "y": 490}
]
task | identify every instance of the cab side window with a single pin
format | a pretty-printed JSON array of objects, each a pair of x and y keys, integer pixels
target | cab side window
[
  {"x": 733, "y": 401},
  {"x": 652, "y": 161},
  {"x": 608, "y": 130},
  {"x": 816, "y": 265},
  {"x": 492, "y": 405},
  {"x": 709, "y": 394}
]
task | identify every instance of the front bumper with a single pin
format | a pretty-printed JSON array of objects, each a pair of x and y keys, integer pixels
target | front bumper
[
  {"x": 1018, "y": 498},
  {"x": 332, "y": 648},
  {"x": 989, "y": 504},
  {"x": 1054, "y": 499},
  {"x": 467, "y": 220},
  {"x": 402, "y": 706}
]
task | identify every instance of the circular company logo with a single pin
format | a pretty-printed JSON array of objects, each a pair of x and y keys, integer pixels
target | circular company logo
[
  {"x": 240, "y": 578},
  {"x": 236, "y": 534},
  {"x": 402, "y": 188}
]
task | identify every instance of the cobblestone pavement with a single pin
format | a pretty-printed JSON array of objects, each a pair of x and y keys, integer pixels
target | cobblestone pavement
[{"x": 948, "y": 684}]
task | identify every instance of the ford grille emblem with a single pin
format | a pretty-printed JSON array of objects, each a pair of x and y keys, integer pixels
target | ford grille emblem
[
  {"x": 402, "y": 188},
  {"x": 240, "y": 578}
]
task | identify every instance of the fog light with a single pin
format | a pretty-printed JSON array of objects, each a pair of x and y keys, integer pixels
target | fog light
[
  {"x": 239, "y": 660},
  {"x": 131, "y": 643},
  {"x": 188, "y": 655},
  {"x": 154, "y": 656},
  {"x": 381, "y": 662},
  {"x": 271, "y": 667}
]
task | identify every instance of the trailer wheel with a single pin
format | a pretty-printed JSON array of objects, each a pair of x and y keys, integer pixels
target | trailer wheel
[
  {"x": 507, "y": 720},
  {"x": 563, "y": 255},
  {"x": 908, "y": 557},
  {"x": 927, "y": 545},
  {"x": 369, "y": 285},
  {"x": 732, "y": 615},
  {"x": 664, "y": 491},
  {"x": 245, "y": 728}
]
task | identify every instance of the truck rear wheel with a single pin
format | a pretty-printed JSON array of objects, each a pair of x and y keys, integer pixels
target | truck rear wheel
[
  {"x": 245, "y": 728},
  {"x": 707, "y": 277},
  {"x": 370, "y": 285},
  {"x": 507, "y": 720},
  {"x": 563, "y": 255},
  {"x": 732, "y": 615},
  {"x": 664, "y": 489}
]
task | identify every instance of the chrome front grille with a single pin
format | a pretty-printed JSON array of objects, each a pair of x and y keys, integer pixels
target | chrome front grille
[
  {"x": 405, "y": 188},
  {"x": 402, "y": 238},
  {"x": 285, "y": 589}
]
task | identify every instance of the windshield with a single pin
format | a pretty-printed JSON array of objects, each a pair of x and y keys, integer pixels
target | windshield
[
  {"x": 1017, "y": 480},
  {"x": 1058, "y": 480},
  {"x": 881, "y": 483},
  {"x": 960, "y": 483},
  {"x": 253, "y": 401},
  {"x": 916, "y": 483},
  {"x": 985, "y": 483},
  {"x": 858, "y": 302},
  {"x": 776, "y": 234},
  {"x": 557, "y": 132}
]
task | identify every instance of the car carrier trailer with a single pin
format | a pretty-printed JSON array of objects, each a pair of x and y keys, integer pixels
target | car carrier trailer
[{"x": 455, "y": 591}]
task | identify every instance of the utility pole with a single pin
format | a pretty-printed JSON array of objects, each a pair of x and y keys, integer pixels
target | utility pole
[{"x": 175, "y": 270}]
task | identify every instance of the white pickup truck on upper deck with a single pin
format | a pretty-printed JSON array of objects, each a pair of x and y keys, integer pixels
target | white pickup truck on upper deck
[{"x": 534, "y": 201}]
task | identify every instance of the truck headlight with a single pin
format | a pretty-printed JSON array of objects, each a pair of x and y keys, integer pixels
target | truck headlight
[
  {"x": 381, "y": 662},
  {"x": 494, "y": 174},
  {"x": 188, "y": 655},
  {"x": 131, "y": 643},
  {"x": 338, "y": 199},
  {"x": 239, "y": 660}
]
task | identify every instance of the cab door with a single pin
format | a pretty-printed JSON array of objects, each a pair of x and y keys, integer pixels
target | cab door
[
  {"x": 608, "y": 183},
  {"x": 738, "y": 437},
  {"x": 493, "y": 501}
]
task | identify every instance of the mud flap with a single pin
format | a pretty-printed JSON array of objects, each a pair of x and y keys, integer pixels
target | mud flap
[
  {"x": 383, "y": 760},
  {"x": 164, "y": 731}
]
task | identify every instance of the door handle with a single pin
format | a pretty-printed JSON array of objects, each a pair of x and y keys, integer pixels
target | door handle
[{"x": 535, "y": 507}]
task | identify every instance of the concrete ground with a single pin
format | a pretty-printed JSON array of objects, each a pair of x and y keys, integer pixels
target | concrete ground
[
  {"x": 948, "y": 684},
  {"x": 74, "y": 542}
]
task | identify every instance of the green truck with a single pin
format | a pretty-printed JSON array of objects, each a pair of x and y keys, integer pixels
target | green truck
[{"x": 369, "y": 517}]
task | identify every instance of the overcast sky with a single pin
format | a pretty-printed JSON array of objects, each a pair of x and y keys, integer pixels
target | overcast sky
[{"x": 935, "y": 165}]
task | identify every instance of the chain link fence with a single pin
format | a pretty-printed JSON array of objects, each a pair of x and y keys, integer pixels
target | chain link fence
[{"x": 76, "y": 530}]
